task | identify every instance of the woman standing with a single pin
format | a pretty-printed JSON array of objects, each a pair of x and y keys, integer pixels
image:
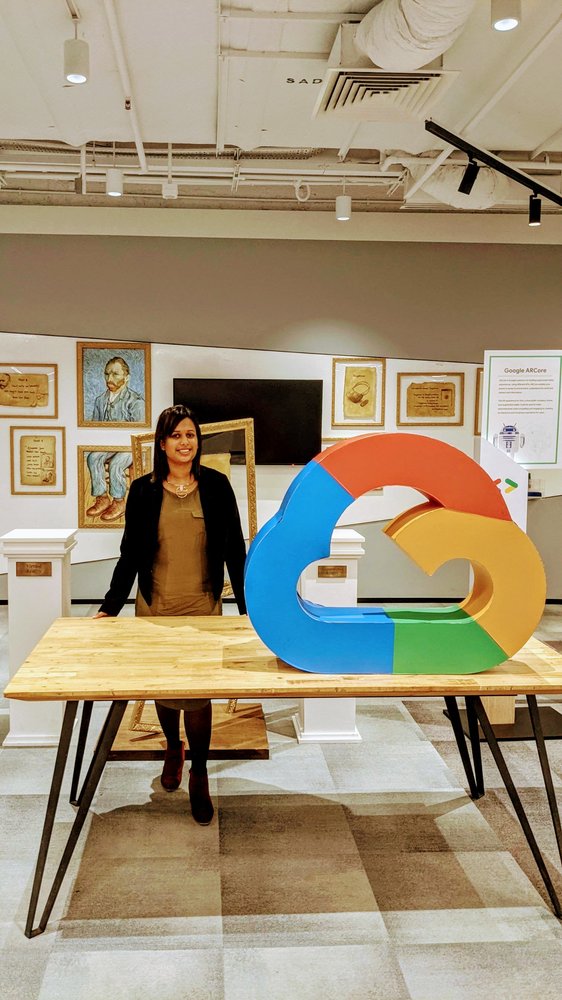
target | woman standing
[{"x": 181, "y": 527}]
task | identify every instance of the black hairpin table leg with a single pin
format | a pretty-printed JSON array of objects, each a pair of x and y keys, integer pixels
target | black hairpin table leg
[
  {"x": 100, "y": 740},
  {"x": 474, "y": 735},
  {"x": 455, "y": 720},
  {"x": 515, "y": 800},
  {"x": 95, "y": 772},
  {"x": 82, "y": 736},
  {"x": 545, "y": 767},
  {"x": 52, "y": 802}
]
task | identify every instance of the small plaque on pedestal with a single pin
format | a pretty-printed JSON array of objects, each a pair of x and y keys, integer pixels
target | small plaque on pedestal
[
  {"x": 332, "y": 572},
  {"x": 34, "y": 569}
]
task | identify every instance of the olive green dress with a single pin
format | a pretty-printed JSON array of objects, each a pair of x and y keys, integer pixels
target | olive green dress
[{"x": 180, "y": 574}]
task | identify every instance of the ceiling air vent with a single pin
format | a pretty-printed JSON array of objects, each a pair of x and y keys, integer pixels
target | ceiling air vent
[{"x": 356, "y": 90}]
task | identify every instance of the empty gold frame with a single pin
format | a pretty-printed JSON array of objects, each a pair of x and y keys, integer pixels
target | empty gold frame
[{"x": 221, "y": 450}]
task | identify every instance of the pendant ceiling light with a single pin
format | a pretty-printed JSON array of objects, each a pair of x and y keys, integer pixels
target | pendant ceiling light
[
  {"x": 114, "y": 182},
  {"x": 76, "y": 58},
  {"x": 343, "y": 206}
]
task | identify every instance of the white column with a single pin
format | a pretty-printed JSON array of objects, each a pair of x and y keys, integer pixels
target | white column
[
  {"x": 38, "y": 592},
  {"x": 332, "y": 583}
]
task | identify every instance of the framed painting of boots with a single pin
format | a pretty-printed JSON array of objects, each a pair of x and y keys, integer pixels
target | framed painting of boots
[{"x": 104, "y": 476}]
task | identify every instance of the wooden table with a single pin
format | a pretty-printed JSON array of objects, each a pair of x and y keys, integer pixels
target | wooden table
[{"x": 123, "y": 659}]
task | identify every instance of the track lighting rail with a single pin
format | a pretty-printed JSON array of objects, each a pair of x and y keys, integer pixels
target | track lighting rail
[{"x": 490, "y": 160}]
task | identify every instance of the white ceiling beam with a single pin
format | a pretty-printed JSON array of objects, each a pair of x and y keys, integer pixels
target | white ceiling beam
[
  {"x": 546, "y": 142},
  {"x": 123, "y": 69},
  {"x": 272, "y": 54},
  {"x": 331, "y": 17},
  {"x": 345, "y": 146}
]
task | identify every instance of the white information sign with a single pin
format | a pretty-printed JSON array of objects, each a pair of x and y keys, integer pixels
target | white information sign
[{"x": 521, "y": 412}]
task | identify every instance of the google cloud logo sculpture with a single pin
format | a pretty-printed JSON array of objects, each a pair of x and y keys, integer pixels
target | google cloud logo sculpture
[{"x": 465, "y": 517}]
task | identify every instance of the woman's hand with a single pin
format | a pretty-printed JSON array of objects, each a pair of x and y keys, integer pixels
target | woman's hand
[{"x": 102, "y": 614}]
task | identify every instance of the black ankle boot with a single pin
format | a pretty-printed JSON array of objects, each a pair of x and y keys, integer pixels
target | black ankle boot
[
  {"x": 170, "y": 779},
  {"x": 201, "y": 806}
]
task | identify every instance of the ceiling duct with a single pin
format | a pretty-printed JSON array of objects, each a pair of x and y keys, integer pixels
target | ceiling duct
[
  {"x": 490, "y": 187},
  {"x": 407, "y": 34},
  {"x": 355, "y": 90}
]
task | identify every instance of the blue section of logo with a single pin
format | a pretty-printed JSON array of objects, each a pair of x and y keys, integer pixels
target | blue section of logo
[{"x": 308, "y": 636}]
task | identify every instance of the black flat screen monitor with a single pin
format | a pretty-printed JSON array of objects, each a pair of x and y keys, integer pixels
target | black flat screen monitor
[{"x": 287, "y": 412}]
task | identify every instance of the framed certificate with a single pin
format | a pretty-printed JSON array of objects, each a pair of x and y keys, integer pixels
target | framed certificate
[
  {"x": 28, "y": 391},
  {"x": 430, "y": 399},
  {"x": 37, "y": 461},
  {"x": 358, "y": 392}
]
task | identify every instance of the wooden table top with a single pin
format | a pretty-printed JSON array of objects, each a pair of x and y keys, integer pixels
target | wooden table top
[{"x": 142, "y": 658}]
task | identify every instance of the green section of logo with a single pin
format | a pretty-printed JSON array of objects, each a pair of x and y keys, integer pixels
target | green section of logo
[{"x": 441, "y": 641}]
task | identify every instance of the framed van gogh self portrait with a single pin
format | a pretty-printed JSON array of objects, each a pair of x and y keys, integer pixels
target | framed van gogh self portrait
[{"x": 113, "y": 382}]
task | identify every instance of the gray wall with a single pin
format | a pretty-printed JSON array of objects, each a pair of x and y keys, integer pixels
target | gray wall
[{"x": 411, "y": 300}]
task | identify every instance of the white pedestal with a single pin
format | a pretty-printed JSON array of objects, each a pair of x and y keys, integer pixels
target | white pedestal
[
  {"x": 38, "y": 592},
  {"x": 332, "y": 583}
]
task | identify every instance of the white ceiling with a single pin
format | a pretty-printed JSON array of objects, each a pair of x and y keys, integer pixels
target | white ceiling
[{"x": 212, "y": 80}]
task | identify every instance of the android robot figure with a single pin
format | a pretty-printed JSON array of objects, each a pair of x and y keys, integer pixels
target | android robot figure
[{"x": 509, "y": 439}]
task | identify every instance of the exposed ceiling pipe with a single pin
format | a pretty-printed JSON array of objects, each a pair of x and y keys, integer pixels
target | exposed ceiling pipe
[
  {"x": 406, "y": 159},
  {"x": 234, "y": 181},
  {"x": 123, "y": 69},
  {"x": 222, "y": 87},
  {"x": 406, "y": 34},
  {"x": 83, "y": 168}
]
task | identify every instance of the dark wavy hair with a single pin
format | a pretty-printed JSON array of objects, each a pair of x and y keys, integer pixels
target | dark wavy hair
[{"x": 167, "y": 423}]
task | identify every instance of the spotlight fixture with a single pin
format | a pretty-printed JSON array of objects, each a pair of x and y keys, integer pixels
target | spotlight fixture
[
  {"x": 534, "y": 210},
  {"x": 114, "y": 182},
  {"x": 469, "y": 177},
  {"x": 169, "y": 189},
  {"x": 76, "y": 58},
  {"x": 506, "y": 14}
]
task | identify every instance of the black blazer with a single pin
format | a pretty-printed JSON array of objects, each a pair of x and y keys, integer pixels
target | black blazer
[{"x": 139, "y": 545}]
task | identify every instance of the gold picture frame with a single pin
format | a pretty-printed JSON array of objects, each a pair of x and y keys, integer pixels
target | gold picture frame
[
  {"x": 28, "y": 390},
  {"x": 358, "y": 392},
  {"x": 127, "y": 406},
  {"x": 141, "y": 448},
  {"x": 108, "y": 469},
  {"x": 38, "y": 461},
  {"x": 430, "y": 399},
  {"x": 478, "y": 402}
]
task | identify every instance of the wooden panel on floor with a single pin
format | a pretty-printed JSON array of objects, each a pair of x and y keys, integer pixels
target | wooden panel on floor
[
  {"x": 500, "y": 711},
  {"x": 239, "y": 735}
]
